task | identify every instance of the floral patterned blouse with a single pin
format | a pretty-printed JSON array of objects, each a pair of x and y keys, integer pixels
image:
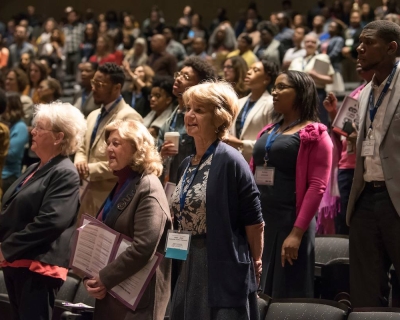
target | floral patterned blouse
[{"x": 194, "y": 211}]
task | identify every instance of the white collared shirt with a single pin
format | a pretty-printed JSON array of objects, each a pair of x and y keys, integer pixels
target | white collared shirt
[
  {"x": 108, "y": 105},
  {"x": 372, "y": 164}
]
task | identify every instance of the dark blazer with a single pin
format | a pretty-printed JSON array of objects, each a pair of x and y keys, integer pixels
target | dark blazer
[
  {"x": 37, "y": 221},
  {"x": 141, "y": 213},
  {"x": 142, "y": 105},
  {"x": 334, "y": 52},
  {"x": 232, "y": 203}
]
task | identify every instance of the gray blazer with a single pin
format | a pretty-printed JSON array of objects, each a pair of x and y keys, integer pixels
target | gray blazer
[
  {"x": 145, "y": 218},
  {"x": 388, "y": 150}
]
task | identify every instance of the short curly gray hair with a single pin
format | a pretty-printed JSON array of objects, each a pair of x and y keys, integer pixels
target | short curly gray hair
[{"x": 64, "y": 118}]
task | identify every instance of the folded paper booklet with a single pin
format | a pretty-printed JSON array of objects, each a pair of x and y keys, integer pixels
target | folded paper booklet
[
  {"x": 96, "y": 245},
  {"x": 346, "y": 115},
  {"x": 321, "y": 67}
]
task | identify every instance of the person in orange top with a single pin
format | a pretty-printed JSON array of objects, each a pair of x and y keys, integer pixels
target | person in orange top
[
  {"x": 4, "y": 54},
  {"x": 39, "y": 212}
]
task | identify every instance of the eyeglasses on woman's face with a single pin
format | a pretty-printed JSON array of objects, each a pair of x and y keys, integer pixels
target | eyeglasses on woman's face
[
  {"x": 280, "y": 87},
  {"x": 39, "y": 128}
]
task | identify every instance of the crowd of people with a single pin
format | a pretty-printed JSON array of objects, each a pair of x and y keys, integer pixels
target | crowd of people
[{"x": 257, "y": 168}]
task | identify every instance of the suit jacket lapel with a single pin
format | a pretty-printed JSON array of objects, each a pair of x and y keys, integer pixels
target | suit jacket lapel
[
  {"x": 104, "y": 122},
  {"x": 40, "y": 173},
  {"x": 390, "y": 110},
  {"x": 123, "y": 201},
  {"x": 363, "y": 113},
  {"x": 259, "y": 104}
]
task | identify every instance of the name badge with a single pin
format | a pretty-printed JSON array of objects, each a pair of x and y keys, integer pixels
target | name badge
[
  {"x": 178, "y": 244},
  {"x": 367, "y": 148},
  {"x": 265, "y": 176}
]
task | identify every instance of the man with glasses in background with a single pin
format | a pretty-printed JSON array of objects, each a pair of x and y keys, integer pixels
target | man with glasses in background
[
  {"x": 91, "y": 159},
  {"x": 194, "y": 71}
]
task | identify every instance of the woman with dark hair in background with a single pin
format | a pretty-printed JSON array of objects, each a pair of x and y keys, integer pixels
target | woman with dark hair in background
[
  {"x": 255, "y": 110},
  {"x": 235, "y": 70},
  {"x": 127, "y": 44},
  {"x": 130, "y": 27},
  {"x": 88, "y": 46},
  {"x": 292, "y": 162},
  {"x": 103, "y": 29},
  {"x": 17, "y": 81},
  {"x": 14, "y": 115},
  {"x": 37, "y": 73},
  {"x": 24, "y": 62},
  {"x": 49, "y": 90}
]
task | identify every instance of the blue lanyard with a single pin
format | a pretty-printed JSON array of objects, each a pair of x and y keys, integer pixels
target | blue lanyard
[
  {"x": 272, "y": 137},
  {"x": 110, "y": 202},
  {"x": 134, "y": 98},
  {"x": 185, "y": 186},
  {"x": 100, "y": 117},
  {"x": 373, "y": 109},
  {"x": 246, "y": 111},
  {"x": 84, "y": 96},
  {"x": 173, "y": 122}
]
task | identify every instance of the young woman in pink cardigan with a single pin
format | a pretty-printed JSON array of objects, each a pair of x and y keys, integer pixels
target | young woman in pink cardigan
[{"x": 291, "y": 161}]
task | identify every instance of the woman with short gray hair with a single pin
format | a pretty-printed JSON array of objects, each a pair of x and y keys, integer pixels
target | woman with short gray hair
[{"x": 39, "y": 213}]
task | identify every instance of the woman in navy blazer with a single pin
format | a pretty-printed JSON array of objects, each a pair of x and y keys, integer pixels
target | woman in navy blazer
[
  {"x": 221, "y": 208},
  {"x": 38, "y": 215}
]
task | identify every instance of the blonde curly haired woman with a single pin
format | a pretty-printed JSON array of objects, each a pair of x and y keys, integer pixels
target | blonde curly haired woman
[{"x": 138, "y": 208}]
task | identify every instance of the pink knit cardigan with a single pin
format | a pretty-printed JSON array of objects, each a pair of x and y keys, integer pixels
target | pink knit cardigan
[{"x": 313, "y": 168}]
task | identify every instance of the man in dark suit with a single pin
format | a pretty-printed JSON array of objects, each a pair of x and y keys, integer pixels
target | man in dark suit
[
  {"x": 83, "y": 99},
  {"x": 162, "y": 63}
]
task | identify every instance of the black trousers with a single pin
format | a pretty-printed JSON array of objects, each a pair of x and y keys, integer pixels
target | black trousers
[
  {"x": 345, "y": 180},
  {"x": 374, "y": 247},
  {"x": 31, "y": 295}
]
